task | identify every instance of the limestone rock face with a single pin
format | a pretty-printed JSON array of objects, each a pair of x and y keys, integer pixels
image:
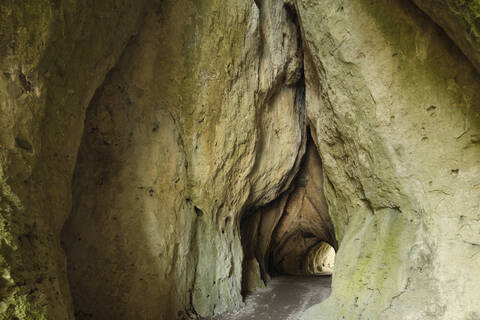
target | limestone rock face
[
  {"x": 321, "y": 259},
  {"x": 461, "y": 21},
  {"x": 395, "y": 111},
  {"x": 53, "y": 55},
  {"x": 155, "y": 160},
  {"x": 201, "y": 117},
  {"x": 197, "y": 121},
  {"x": 257, "y": 230}
]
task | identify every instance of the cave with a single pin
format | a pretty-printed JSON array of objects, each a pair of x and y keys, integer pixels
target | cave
[
  {"x": 178, "y": 159},
  {"x": 292, "y": 235}
]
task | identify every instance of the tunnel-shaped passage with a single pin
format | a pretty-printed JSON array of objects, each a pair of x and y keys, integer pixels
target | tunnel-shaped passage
[
  {"x": 292, "y": 235},
  {"x": 320, "y": 259},
  {"x": 303, "y": 256}
]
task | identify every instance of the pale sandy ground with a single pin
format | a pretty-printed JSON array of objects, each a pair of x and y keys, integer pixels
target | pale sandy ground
[{"x": 283, "y": 299}]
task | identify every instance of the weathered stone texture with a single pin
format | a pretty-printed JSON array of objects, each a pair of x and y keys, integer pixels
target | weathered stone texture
[
  {"x": 197, "y": 121},
  {"x": 53, "y": 55},
  {"x": 194, "y": 124},
  {"x": 395, "y": 109},
  {"x": 461, "y": 20}
]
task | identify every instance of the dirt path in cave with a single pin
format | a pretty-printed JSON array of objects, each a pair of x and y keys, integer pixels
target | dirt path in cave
[{"x": 283, "y": 299}]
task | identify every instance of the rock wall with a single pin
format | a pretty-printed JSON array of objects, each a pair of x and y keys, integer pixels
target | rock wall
[
  {"x": 53, "y": 55},
  {"x": 159, "y": 127},
  {"x": 305, "y": 222},
  {"x": 207, "y": 94},
  {"x": 460, "y": 20},
  {"x": 201, "y": 118},
  {"x": 394, "y": 107}
]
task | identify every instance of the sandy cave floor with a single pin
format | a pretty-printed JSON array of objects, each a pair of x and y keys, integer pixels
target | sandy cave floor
[{"x": 283, "y": 299}]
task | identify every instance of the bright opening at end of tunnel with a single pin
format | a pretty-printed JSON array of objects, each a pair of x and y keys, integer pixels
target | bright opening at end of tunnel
[{"x": 321, "y": 260}]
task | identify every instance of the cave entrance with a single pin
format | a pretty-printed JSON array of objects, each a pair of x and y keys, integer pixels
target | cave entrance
[
  {"x": 289, "y": 248},
  {"x": 292, "y": 236}
]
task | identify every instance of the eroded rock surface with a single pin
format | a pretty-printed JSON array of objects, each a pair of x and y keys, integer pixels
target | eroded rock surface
[
  {"x": 53, "y": 56},
  {"x": 158, "y": 127},
  {"x": 198, "y": 120},
  {"x": 461, "y": 21},
  {"x": 305, "y": 222},
  {"x": 395, "y": 109}
]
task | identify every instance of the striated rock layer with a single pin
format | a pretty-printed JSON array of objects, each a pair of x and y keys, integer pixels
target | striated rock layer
[
  {"x": 201, "y": 117},
  {"x": 53, "y": 56}
]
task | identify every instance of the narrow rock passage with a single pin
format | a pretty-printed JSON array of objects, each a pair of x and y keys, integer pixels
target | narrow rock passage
[{"x": 283, "y": 299}]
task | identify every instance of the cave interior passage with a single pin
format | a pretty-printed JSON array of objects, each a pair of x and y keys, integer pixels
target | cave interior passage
[{"x": 292, "y": 235}]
